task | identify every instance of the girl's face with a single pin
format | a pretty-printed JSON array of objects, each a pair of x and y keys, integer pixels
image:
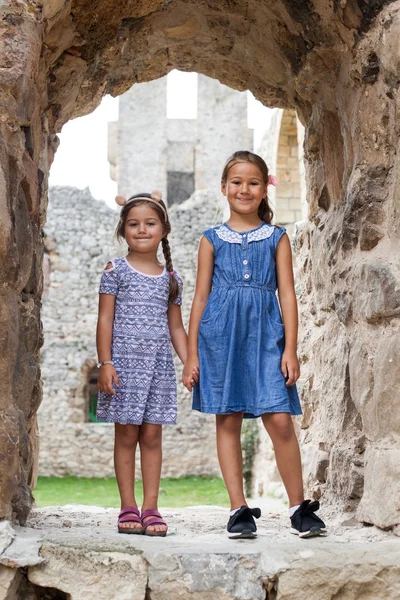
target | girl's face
[
  {"x": 143, "y": 229},
  {"x": 244, "y": 188}
]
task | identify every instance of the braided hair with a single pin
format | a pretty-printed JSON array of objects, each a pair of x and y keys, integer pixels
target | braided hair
[
  {"x": 264, "y": 210},
  {"x": 161, "y": 210}
]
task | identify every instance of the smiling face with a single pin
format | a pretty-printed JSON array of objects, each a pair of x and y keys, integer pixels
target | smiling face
[
  {"x": 244, "y": 188},
  {"x": 143, "y": 229}
]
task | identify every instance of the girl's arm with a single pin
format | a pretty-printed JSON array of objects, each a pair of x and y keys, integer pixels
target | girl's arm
[
  {"x": 205, "y": 268},
  {"x": 287, "y": 299},
  {"x": 107, "y": 373},
  {"x": 177, "y": 331}
]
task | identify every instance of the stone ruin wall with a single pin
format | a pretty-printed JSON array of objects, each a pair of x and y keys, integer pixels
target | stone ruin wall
[{"x": 337, "y": 64}]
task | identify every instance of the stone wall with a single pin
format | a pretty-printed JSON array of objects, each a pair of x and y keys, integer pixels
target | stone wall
[
  {"x": 337, "y": 64},
  {"x": 79, "y": 240}
]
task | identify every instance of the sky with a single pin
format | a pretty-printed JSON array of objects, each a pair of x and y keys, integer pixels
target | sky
[{"x": 81, "y": 159}]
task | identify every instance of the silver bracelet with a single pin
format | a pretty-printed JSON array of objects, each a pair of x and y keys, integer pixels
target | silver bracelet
[{"x": 104, "y": 362}]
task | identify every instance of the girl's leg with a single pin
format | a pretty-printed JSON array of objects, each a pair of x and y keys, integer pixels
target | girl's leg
[
  {"x": 150, "y": 442},
  {"x": 287, "y": 453},
  {"x": 230, "y": 456},
  {"x": 126, "y": 438}
]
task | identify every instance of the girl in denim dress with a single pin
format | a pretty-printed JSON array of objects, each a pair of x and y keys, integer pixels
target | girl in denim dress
[{"x": 245, "y": 353}]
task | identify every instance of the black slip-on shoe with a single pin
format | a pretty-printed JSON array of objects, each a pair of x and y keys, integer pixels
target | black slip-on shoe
[
  {"x": 241, "y": 525},
  {"x": 305, "y": 522}
]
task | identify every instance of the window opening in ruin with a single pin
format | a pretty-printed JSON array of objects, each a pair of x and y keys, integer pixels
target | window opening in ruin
[
  {"x": 180, "y": 186},
  {"x": 181, "y": 95},
  {"x": 183, "y": 156},
  {"x": 92, "y": 395}
]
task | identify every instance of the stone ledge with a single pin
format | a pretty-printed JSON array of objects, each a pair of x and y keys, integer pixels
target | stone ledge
[{"x": 82, "y": 555}]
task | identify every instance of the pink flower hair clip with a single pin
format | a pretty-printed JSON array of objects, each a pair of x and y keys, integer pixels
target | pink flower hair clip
[{"x": 272, "y": 180}]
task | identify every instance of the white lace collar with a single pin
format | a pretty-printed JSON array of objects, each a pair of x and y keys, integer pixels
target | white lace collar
[{"x": 234, "y": 237}]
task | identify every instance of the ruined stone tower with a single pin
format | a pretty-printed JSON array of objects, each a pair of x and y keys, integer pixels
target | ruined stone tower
[{"x": 178, "y": 156}]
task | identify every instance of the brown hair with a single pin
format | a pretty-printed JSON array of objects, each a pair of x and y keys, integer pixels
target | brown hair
[
  {"x": 264, "y": 210},
  {"x": 161, "y": 210}
]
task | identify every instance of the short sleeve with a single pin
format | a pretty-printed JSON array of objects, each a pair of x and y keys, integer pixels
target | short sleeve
[
  {"x": 209, "y": 234},
  {"x": 109, "y": 280},
  {"x": 278, "y": 233},
  {"x": 178, "y": 299}
]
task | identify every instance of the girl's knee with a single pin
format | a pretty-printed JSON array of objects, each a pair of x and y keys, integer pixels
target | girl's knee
[
  {"x": 231, "y": 423},
  {"x": 279, "y": 425},
  {"x": 150, "y": 435},
  {"x": 127, "y": 435}
]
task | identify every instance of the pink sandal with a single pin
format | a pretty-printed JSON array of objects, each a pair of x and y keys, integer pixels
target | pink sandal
[
  {"x": 130, "y": 514},
  {"x": 155, "y": 519}
]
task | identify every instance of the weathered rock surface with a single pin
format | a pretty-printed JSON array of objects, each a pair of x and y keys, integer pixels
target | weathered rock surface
[
  {"x": 337, "y": 64},
  {"x": 83, "y": 556}
]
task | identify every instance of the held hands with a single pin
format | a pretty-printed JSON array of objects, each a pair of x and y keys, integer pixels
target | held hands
[
  {"x": 290, "y": 367},
  {"x": 107, "y": 376},
  {"x": 191, "y": 373}
]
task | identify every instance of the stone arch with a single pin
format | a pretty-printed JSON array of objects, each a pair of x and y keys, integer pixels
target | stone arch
[{"x": 332, "y": 64}]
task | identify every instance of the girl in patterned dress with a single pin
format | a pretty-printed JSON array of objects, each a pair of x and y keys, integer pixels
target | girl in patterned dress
[
  {"x": 139, "y": 317},
  {"x": 245, "y": 354}
]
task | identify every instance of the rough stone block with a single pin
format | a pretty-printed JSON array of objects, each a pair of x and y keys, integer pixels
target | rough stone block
[
  {"x": 8, "y": 582},
  {"x": 374, "y": 386},
  {"x": 376, "y": 293},
  {"x": 380, "y": 502},
  {"x": 85, "y": 574},
  {"x": 315, "y": 463}
]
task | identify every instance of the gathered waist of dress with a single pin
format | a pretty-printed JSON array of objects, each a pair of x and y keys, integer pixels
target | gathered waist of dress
[{"x": 240, "y": 284}]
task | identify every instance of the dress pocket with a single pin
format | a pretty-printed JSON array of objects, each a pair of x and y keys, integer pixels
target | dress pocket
[
  {"x": 277, "y": 323},
  {"x": 274, "y": 316},
  {"x": 276, "y": 328},
  {"x": 214, "y": 308}
]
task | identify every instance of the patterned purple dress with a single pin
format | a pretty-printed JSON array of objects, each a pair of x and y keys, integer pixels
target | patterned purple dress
[{"x": 141, "y": 347}]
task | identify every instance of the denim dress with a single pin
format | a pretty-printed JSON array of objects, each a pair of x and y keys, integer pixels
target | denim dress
[{"x": 241, "y": 335}]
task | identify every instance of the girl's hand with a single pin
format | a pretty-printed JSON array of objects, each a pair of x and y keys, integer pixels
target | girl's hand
[
  {"x": 191, "y": 373},
  {"x": 107, "y": 376},
  {"x": 290, "y": 367}
]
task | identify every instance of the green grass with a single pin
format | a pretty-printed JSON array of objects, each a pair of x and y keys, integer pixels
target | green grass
[{"x": 174, "y": 493}]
